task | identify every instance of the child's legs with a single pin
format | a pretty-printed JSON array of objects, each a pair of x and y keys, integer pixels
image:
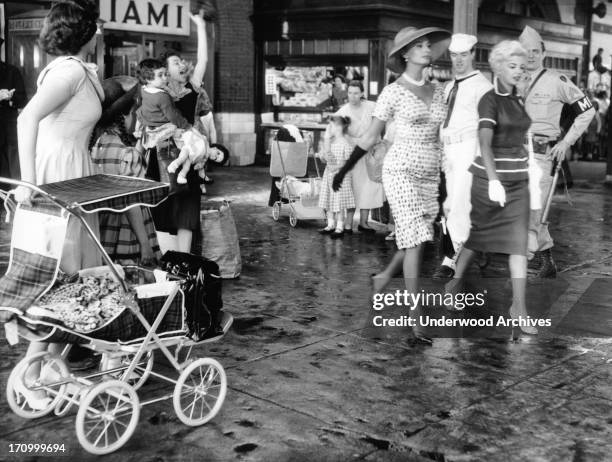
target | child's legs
[
  {"x": 184, "y": 237},
  {"x": 331, "y": 219},
  {"x": 340, "y": 217}
]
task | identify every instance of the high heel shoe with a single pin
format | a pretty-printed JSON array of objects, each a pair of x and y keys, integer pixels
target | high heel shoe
[
  {"x": 35, "y": 402},
  {"x": 379, "y": 282},
  {"x": 530, "y": 331},
  {"x": 419, "y": 338}
]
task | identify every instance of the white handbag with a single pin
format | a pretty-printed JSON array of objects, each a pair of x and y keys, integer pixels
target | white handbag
[{"x": 535, "y": 174}]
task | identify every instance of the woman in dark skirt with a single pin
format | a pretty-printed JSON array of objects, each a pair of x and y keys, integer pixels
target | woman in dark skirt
[
  {"x": 180, "y": 213},
  {"x": 500, "y": 186}
]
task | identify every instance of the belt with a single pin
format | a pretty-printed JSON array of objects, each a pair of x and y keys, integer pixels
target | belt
[
  {"x": 458, "y": 138},
  {"x": 550, "y": 142}
]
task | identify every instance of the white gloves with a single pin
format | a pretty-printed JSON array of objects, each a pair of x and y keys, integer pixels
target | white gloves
[{"x": 497, "y": 192}]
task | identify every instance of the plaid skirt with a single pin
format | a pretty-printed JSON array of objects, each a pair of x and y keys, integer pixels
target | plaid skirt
[
  {"x": 333, "y": 201},
  {"x": 120, "y": 241},
  {"x": 111, "y": 156}
]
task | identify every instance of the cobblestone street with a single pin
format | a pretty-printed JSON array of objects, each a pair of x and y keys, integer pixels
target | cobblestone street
[{"x": 309, "y": 381}]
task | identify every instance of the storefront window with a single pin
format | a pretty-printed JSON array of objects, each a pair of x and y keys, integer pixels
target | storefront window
[{"x": 309, "y": 93}]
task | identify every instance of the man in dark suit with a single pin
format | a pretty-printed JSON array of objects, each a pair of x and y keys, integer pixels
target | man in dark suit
[{"x": 12, "y": 98}]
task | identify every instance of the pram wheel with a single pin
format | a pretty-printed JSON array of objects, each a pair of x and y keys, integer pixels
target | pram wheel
[
  {"x": 53, "y": 369},
  {"x": 293, "y": 219},
  {"x": 107, "y": 417},
  {"x": 199, "y": 392},
  {"x": 276, "y": 208}
]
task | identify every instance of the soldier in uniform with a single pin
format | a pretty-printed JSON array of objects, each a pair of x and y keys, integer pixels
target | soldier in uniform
[
  {"x": 460, "y": 137},
  {"x": 545, "y": 94}
]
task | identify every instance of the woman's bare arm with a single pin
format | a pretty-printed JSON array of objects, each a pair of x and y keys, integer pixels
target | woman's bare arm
[{"x": 202, "y": 50}]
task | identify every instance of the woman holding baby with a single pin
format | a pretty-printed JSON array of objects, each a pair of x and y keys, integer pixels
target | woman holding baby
[{"x": 180, "y": 213}]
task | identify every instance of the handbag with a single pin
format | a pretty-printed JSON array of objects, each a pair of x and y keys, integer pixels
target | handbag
[
  {"x": 535, "y": 174},
  {"x": 375, "y": 159},
  {"x": 202, "y": 286},
  {"x": 219, "y": 239}
]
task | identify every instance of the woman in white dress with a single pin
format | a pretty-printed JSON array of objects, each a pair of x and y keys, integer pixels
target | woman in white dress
[
  {"x": 368, "y": 194},
  {"x": 54, "y": 130}
]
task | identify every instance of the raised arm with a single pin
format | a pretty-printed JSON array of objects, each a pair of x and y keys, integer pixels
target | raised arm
[{"x": 202, "y": 51}]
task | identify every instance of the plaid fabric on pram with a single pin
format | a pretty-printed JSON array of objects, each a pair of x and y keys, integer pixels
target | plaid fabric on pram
[
  {"x": 123, "y": 328},
  {"x": 114, "y": 192},
  {"x": 29, "y": 275}
]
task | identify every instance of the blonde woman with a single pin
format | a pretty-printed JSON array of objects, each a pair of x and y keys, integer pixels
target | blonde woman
[{"x": 500, "y": 187}]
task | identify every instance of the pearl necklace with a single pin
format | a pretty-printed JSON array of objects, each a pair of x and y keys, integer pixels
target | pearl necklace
[{"x": 417, "y": 83}]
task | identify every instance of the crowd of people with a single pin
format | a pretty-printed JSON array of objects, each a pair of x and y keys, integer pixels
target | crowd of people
[
  {"x": 497, "y": 144},
  {"x": 478, "y": 133}
]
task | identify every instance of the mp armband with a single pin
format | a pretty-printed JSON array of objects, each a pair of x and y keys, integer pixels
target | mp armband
[{"x": 582, "y": 105}]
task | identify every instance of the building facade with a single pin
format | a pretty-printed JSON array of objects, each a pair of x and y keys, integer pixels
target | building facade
[{"x": 271, "y": 60}]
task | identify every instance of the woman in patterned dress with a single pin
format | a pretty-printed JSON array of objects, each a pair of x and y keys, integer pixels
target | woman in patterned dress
[
  {"x": 336, "y": 203},
  {"x": 411, "y": 171}
]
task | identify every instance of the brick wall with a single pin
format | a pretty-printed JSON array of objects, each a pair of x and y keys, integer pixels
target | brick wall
[{"x": 234, "y": 78}]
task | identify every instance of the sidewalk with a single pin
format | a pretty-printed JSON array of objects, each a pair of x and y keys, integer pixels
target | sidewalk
[{"x": 307, "y": 383}]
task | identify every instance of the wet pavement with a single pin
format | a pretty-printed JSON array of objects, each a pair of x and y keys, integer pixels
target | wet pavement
[{"x": 309, "y": 380}]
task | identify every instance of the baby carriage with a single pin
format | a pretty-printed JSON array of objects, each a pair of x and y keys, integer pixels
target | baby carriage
[
  {"x": 104, "y": 312},
  {"x": 290, "y": 160}
]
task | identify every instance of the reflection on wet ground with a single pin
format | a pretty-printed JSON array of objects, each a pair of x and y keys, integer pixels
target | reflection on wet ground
[{"x": 311, "y": 379}]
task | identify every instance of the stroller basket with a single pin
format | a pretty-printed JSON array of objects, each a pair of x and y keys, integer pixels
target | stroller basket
[{"x": 290, "y": 160}]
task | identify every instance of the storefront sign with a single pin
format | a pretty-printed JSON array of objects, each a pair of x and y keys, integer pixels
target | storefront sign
[
  {"x": 25, "y": 25},
  {"x": 152, "y": 16}
]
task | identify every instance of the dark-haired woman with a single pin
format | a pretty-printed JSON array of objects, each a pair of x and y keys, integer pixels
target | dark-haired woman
[
  {"x": 55, "y": 126},
  {"x": 128, "y": 237},
  {"x": 180, "y": 213},
  {"x": 411, "y": 170},
  {"x": 368, "y": 194},
  {"x": 54, "y": 130}
]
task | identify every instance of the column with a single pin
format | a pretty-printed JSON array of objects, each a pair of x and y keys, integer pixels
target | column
[{"x": 465, "y": 17}]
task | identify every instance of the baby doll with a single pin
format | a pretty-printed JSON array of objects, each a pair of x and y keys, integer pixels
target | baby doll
[{"x": 194, "y": 151}]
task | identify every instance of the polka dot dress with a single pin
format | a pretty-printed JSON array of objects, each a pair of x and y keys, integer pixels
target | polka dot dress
[{"x": 411, "y": 170}]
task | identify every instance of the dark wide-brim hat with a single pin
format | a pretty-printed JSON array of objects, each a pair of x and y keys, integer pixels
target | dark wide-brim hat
[
  {"x": 439, "y": 39},
  {"x": 120, "y": 94},
  {"x": 225, "y": 152}
]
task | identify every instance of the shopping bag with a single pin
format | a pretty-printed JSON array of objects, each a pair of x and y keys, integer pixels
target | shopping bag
[
  {"x": 219, "y": 238},
  {"x": 375, "y": 159}
]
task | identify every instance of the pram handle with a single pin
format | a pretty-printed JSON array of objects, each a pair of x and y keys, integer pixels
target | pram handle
[
  {"x": 74, "y": 212},
  {"x": 37, "y": 190}
]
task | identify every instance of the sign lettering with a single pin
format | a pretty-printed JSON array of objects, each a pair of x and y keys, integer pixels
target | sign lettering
[{"x": 151, "y": 16}]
